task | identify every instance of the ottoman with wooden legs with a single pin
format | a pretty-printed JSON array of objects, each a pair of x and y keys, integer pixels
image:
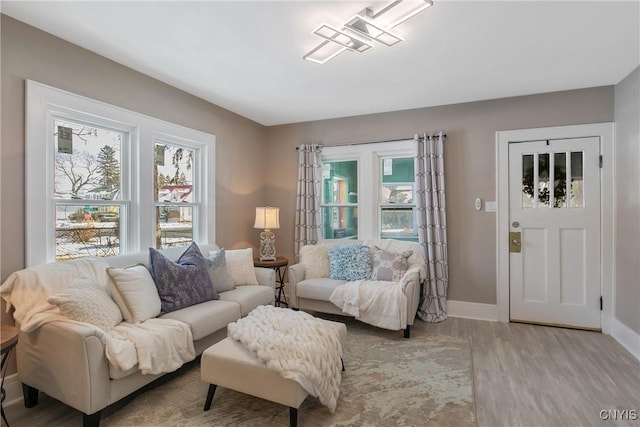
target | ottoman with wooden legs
[{"x": 229, "y": 364}]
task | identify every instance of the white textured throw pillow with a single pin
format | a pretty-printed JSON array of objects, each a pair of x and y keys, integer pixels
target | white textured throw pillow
[
  {"x": 135, "y": 292},
  {"x": 84, "y": 300},
  {"x": 315, "y": 259},
  {"x": 240, "y": 266}
]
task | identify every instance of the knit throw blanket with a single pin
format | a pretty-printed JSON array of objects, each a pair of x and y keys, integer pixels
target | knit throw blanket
[
  {"x": 378, "y": 303},
  {"x": 297, "y": 346}
]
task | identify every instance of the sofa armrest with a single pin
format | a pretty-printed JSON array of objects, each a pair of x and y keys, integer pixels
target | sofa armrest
[
  {"x": 296, "y": 274},
  {"x": 411, "y": 283},
  {"x": 266, "y": 276},
  {"x": 66, "y": 361}
]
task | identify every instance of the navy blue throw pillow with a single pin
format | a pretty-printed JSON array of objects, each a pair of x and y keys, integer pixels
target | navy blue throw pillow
[{"x": 183, "y": 282}]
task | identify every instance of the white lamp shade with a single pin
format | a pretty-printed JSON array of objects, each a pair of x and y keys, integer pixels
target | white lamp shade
[{"x": 267, "y": 218}]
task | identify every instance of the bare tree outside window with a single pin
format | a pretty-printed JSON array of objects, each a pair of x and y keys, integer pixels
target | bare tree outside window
[{"x": 87, "y": 167}]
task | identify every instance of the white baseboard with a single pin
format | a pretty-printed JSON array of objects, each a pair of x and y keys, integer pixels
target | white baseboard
[
  {"x": 626, "y": 336},
  {"x": 472, "y": 310},
  {"x": 13, "y": 388}
]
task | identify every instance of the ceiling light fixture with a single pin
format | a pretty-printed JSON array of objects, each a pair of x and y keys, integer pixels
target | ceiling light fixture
[
  {"x": 366, "y": 27},
  {"x": 358, "y": 33},
  {"x": 351, "y": 42}
]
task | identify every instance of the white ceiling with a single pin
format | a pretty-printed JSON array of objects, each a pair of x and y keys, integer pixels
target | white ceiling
[{"x": 246, "y": 56}]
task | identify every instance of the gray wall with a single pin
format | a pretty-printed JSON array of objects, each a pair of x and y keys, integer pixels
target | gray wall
[
  {"x": 627, "y": 234},
  {"x": 470, "y": 166},
  {"x": 28, "y": 53},
  {"x": 257, "y": 165}
]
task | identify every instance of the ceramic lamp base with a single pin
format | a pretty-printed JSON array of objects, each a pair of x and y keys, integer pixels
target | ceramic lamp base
[{"x": 267, "y": 246}]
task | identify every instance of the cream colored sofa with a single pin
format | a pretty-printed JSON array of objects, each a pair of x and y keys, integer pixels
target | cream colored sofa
[
  {"x": 312, "y": 294},
  {"x": 66, "y": 360}
]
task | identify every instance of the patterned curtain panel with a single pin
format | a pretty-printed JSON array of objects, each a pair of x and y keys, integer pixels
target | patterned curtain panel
[
  {"x": 307, "y": 223},
  {"x": 432, "y": 225}
]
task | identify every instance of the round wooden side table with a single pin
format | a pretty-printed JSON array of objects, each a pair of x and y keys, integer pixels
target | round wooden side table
[
  {"x": 280, "y": 266},
  {"x": 8, "y": 341}
]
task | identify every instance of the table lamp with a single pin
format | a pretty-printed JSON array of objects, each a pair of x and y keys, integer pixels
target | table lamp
[{"x": 267, "y": 218}]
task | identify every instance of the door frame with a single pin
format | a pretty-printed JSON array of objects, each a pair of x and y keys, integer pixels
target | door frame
[{"x": 605, "y": 131}]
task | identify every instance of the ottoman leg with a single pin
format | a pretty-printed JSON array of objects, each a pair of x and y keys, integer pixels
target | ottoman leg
[
  {"x": 293, "y": 417},
  {"x": 210, "y": 393}
]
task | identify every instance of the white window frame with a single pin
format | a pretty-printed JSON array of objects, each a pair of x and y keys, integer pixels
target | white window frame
[
  {"x": 43, "y": 104},
  {"x": 369, "y": 157},
  {"x": 382, "y": 206}
]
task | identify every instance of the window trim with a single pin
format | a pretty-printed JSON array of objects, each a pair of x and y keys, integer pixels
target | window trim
[
  {"x": 369, "y": 157},
  {"x": 43, "y": 104}
]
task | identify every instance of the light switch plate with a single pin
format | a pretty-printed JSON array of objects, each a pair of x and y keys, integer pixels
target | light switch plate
[{"x": 490, "y": 206}]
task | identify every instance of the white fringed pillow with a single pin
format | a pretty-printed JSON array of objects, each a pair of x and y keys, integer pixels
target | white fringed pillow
[
  {"x": 135, "y": 292},
  {"x": 315, "y": 259},
  {"x": 240, "y": 266},
  {"x": 84, "y": 300}
]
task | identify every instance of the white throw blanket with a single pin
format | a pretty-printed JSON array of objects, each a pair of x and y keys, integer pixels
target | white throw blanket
[
  {"x": 297, "y": 346},
  {"x": 156, "y": 345},
  {"x": 379, "y": 303}
]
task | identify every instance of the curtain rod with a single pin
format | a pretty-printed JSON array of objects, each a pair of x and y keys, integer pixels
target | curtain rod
[{"x": 444, "y": 135}]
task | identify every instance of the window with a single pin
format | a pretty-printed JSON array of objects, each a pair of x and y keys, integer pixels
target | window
[
  {"x": 368, "y": 191},
  {"x": 87, "y": 188},
  {"x": 175, "y": 193},
  {"x": 397, "y": 199},
  {"x": 104, "y": 181},
  {"x": 339, "y": 204}
]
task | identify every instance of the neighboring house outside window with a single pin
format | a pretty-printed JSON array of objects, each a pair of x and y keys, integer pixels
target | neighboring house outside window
[
  {"x": 96, "y": 185},
  {"x": 368, "y": 191}
]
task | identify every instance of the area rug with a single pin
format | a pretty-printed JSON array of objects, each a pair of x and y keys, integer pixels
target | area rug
[{"x": 389, "y": 381}]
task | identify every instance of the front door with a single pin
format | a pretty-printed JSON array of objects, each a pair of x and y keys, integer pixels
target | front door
[{"x": 554, "y": 218}]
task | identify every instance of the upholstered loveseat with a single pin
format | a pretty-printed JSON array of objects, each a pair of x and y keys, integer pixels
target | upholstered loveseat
[
  {"x": 66, "y": 358},
  {"x": 314, "y": 280}
]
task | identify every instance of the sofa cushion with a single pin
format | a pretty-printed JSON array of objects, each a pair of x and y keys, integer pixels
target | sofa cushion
[
  {"x": 240, "y": 266},
  {"x": 184, "y": 282},
  {"x": 388, "y": 265},
  {"x": 350, "y": 262},
  {"x": 218, "y": 272},
  {"x": 249, "y": 297},
  {"x": 207, "y": 317},
  {"x": 135, "y": 292},
  {"x": 319, "y": 289},
  {"x": 84, "y": 300},
  {"x": 315, "y": 259}
]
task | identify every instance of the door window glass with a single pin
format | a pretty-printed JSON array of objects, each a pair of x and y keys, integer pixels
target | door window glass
[
  {"x": 577, "y": 183},
  {"x": 543, "y": 180},
  {"x": 560, "y": 180},
  {"x": 527, "y": 181}
]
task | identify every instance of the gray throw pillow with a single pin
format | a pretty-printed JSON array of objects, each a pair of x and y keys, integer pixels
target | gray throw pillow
[
  {"x": 389, "y": 266},
  {"x": 218, "y": 272},
  {"x": 184, "y": 282}
]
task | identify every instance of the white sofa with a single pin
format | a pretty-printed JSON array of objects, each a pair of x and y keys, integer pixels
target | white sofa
[
  {"x": 312, "y": 294},
  {"x": 66, "y": 360}
]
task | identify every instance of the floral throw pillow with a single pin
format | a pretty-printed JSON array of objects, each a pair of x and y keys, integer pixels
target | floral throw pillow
[
  {"x": 389, "y": 266},
  {"x": 184, "y": 282},
  {"x": 350, "y": 262}
]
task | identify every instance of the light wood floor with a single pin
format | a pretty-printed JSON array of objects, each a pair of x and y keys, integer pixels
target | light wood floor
[{"x": 524, "y": 375}]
